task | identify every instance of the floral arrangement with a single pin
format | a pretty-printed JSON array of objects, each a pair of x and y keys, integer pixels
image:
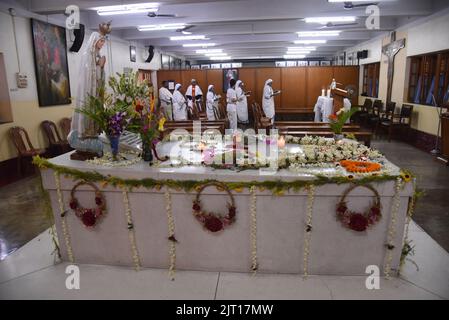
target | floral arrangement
[
  {"x": 359, "y": 221},
  {"x": 360, "y": 166},
  {"x": 88, "y": 216},
  {"x": 210, "y": 220},
  {"x": 338, "y": 120}
]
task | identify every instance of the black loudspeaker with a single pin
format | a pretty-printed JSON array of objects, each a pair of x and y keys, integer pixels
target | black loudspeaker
[
  {"x": 79, "y": 38},
  {"x": 150, "y": 54},
  {"x": 362, "y": 54}
]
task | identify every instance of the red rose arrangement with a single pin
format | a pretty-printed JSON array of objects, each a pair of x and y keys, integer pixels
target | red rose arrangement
[
  {"x": 211, "y": 221},
  {"x": 88, "y": 216},
  {"x": 359, "y": 221}
]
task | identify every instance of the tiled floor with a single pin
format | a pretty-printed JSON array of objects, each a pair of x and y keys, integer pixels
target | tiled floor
[
  {"x": 432, "y": 212},
  {"x": 30, "y": 273}
]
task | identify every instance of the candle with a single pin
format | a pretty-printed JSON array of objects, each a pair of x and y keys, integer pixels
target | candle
[
  {"x": 328, "y": 93},
  {"x": 281, "y": 142},
  {"x": 322, "y": 92}
]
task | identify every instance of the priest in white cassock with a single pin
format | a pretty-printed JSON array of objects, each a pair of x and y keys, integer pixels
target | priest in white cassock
[
  {"x": 166, "y": 99},
  {"x": 231, "y": 108},
  {"x": 242, "y": 103},
  {"x": 211, "y": 102},
  {"x": 179, "y": 104},
  {"x": 194, "y": 94},
  {"x": 268, "y": 100}
]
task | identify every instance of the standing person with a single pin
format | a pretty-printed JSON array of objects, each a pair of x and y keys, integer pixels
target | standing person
[
  {"x": 166, "y": 99},
  {"x": 211, "y": 102},
  {"x": 179, "y": 104},
  {"x": 194, "y": 95},
  {"x": 242, "y": 103},
  {"x": 231, "y": 99},
  {"x": 268, "y": 100}
]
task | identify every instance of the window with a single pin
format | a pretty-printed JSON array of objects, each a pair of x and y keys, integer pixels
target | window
[
  {"x": 429, "y": 75},
  {"x": 371, "y": 80}
]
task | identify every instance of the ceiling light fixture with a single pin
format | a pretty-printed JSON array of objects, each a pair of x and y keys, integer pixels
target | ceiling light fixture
[
  {"x": 324, "y": 20},
  {"x": 127, "y": 9},
  {"x": 220, "y": 58},
  {"x": 302, "y": 48},
  {"x": 194, "y": 37},
  {"x": 216, "y": 54},
  {"x": 294, "y": 56},
  {"x": 325, "y": 33},
  {"x": 298, "y": 52},
  {"x": 200, "y": 51},
  {"x": 204, "y": 45},
  {"x": 337, "y": 1},
  {"x": 157, "y": 27},
  {"x": 186, "y": 32},
  {"x": 309, "y": 41}
]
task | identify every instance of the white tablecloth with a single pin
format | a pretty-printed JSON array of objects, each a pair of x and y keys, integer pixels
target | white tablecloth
[{"x": 323, "y": 109}]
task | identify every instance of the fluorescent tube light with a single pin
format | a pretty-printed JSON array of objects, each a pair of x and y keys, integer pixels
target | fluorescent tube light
[
  {"x": 127, "y": 9},
  {"x": 200, "y": 51},
  {"x": 193, "y": 37},
  {"x": 215, "y": 54},
  {"x": 303, "y": 34},
  {"x": 309, "y": 41},
  {"x": 206, "y": 44},
  {"x": 324, "y": 20},
  {"x": 157, "y": 27},
  {"x": 220, "y": 58},
  {"x": 294, "y": 56}
]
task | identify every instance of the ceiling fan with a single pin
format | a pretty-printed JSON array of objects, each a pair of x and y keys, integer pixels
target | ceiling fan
[
  {"x": 161, "y": 15},
  {"x": 348, "y": 5},
  {"x": 185, "y": 29}
]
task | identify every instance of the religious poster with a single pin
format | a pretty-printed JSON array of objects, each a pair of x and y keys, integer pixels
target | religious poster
[
  {"x": 50, "y": 59},
  {"x": 291, "y": 63},
  {"x": 205, "y": 66},
  {"x": 280, "y": 63},
  {"x": 195, "y": 66},
  {"x": 215, "y": 66},
  {"x": 314, "y": 63},
  {"x": 236, "y": 64},
  {"x": 303, "y": 63},
  {"x": 229, "y": 74}
]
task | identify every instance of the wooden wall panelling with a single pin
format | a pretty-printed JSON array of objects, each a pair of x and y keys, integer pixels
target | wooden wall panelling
[
  {"x": 317, "y": 79},
  {"x": 262, "y": 75},
  {"x": 293, "y": 96},
  {"x": 347, "y": 75}
]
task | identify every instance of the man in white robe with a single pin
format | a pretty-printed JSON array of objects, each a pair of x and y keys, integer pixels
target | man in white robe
[
  {"x": 242, "y": 103},
  {"x": 166, "y": 99},
  {"x": 231, "y": 108},
  {"x": 211, "y": 103},
  {"x": 268, "y": 100},
  {"x": 179, "y": 104},
  {"x": 194, "y": 95}
]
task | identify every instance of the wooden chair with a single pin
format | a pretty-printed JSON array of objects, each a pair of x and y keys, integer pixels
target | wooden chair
[
  {"x": 374, "y": 117},
  {"x": 65, "y": 124},
  {"x": 260, "y": 121},
  {"x": 390, "y": 107},
  {"x": 56, "y": 144},
  {"x": 401, "y": 120},
  {"x": 365, "y": 110},
  {"x": 25, "y": 149}
]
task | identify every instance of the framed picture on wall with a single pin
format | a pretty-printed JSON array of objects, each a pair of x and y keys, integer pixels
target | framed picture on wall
[
  {"x": 215, "y": 66},
  {"x": 325, "y": 63},
  {"x": 314, "y": 63},
  {"x": 229, "y": 74},
  {"x": 195, "y": 66},
  {"x": 50, "y": 60},
  {"x": 280, "y": 64},
  {"x": 132, "y": 53},
  {"x": 165, "y": 62},
  {"x": 303, "y": 63},
  {"x": 236, "y": 64},
  {"x": 291, "y": 64},
  {"x": 226, "y": 65},
  {"x": 205, "y": 66}
]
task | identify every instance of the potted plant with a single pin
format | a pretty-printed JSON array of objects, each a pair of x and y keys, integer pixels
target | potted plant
[{"x": 338, "y": 120}]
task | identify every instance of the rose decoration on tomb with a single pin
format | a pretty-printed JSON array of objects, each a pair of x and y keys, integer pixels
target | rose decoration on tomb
[
  {"x": 88, "y": 216},
  {"x": 212, "y": 221},
  {"x": 359, "y": 221}
]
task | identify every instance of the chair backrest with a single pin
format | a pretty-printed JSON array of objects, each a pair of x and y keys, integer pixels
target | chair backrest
[
  {"x": 51, "y": 131},
  {"x": 65, "y": 124},
  {"x": 20, "y": 139},
  {"x": 377, "y": 106},
  {"x": 256, "y": 116},
  {"x": 390, "y": 107},
  {"x": 406, "y": 111},
  {"x": 367, "y": 104}
]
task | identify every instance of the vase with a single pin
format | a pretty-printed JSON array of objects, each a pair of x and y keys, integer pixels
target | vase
[
  {"x": 147, "y": 154},
  {"x": 338, "y": 137},
  {"x": 114, "y": 141}
]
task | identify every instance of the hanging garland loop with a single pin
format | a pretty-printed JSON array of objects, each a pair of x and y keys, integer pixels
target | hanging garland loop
[
  {"x": 88, "y": 216},
  {"x": 359, "y": 221},
  {"x": 211, "y": 221}
]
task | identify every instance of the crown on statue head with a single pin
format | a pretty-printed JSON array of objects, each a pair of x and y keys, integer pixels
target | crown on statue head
[{"x": 105, "y": 28}]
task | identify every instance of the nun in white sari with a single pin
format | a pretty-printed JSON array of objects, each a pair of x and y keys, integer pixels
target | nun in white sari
[
  {"x": 211, "y": 103},
  {"x": 179, "y": 104},
  {"x": 84, "y": 131},
  {"x": 242, "y": 103}
]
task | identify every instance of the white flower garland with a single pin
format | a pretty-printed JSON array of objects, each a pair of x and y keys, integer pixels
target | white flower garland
[
  {"x": 392, "y": 228},
  {"x": 171, "y": 234},
  {"x": 107, "y": 159},
  {"x": 62, "y": 212},
  {"x": 131, "y": 234},
  {"x": 253, "y": 230},
  {"x": 410, "y": 211},
  {"x": 308, "y": 228}
]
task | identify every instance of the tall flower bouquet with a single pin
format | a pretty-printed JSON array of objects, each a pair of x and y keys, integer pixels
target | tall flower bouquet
[{"x": 338, "y": 120}]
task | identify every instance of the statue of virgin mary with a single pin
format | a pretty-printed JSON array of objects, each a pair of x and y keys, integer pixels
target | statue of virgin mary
[{"x": 84, "y": 131}]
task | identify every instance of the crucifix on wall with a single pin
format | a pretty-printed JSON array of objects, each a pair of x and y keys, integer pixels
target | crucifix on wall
[{"x": 390, "y": 50}]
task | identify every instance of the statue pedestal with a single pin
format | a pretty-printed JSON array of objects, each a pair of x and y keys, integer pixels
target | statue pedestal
[{"x": 82, "y": 155}]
